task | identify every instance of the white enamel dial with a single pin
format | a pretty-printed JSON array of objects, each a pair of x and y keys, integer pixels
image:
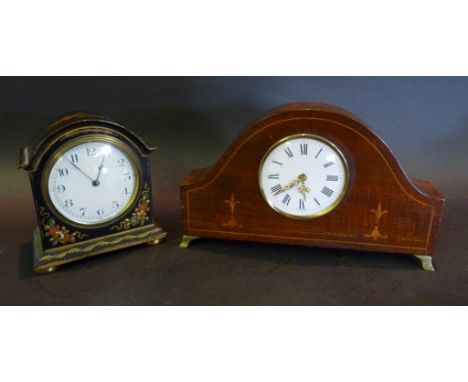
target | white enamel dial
[
  {"x": 303, "y": 176},
  {"x": 92, "y": 182}
]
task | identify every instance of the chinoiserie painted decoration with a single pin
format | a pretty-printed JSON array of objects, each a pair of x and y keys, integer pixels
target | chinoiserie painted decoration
[{"x": 91, "y": 185}]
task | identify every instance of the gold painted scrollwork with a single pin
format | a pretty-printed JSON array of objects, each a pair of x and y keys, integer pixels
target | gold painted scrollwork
[
  {"x": 139, "y": 216},
  {"x": 103, "y": 243}
]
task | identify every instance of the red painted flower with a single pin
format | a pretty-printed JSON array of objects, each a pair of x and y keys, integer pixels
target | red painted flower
[
  {"x": 53, "y": 230},
  {"x": 143, "y": 207}
]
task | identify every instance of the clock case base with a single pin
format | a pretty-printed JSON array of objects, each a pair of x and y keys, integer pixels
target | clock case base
[
  {"x": 47, "y": 260},
  {"x": 426, "y": 261},
  {"x": 383, "y": 210}
]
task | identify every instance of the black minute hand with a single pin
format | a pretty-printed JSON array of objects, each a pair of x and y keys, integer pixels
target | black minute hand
[
  {"x": 79, "y": 169},
  {"x": 96, "y": 181}
]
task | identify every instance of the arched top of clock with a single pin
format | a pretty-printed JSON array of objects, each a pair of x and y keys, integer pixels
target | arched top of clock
[
  {"x": 381, "y": 209},
  {"x": 416, "y": 189},
  {"x": 66, "y": 126}
]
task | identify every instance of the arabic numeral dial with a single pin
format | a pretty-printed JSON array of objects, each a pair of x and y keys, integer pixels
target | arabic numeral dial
[{"x": 92, "y": 181}]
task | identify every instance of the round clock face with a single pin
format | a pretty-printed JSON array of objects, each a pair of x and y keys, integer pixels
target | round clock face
[
  {"x": 92, "y": 181},
  {"x": 303, "y": 176}
]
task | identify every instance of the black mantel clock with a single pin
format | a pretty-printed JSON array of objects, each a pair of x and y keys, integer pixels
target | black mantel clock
[{"x": 91, "y": 184}]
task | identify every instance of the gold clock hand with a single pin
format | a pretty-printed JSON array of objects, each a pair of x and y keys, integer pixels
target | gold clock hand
[
  {"x": 300, "y": 179},
  {"x": 279, "y": 191},
  {"x": 303, "y": 189},
  {"x": 287, "y": 187}
]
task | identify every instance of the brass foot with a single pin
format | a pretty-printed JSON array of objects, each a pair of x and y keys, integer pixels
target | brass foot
[
  {"x": 426, "y": 262},
  {"x": 186, "y": 239},
  {"x": 45, "y": 270},
  {"x": 154, "y": 241}
]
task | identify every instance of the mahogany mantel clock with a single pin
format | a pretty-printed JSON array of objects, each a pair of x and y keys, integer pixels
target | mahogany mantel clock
[
  {"x": 91, "y": 184},
  {"x": 312, "y": 174}
]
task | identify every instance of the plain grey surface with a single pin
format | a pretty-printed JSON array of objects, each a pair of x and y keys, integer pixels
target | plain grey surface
[{"x": 424, "y": 121}]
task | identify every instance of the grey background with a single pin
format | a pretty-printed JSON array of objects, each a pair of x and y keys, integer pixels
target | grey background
[{"x": 192, "y": 121}]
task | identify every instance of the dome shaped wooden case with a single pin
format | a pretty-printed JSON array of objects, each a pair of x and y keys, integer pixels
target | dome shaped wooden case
[
  {"x": 382, "y": 210},
  {"x": 57, "y": 241}
]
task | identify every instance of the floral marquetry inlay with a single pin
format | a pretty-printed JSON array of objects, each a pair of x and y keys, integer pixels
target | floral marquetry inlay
[
  {"x": 313, "y": 175},
  {"x": 232, "y": 202},
  {"x": 375, "y": 233}
]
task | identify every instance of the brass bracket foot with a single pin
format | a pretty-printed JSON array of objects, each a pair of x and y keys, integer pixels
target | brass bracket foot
[
  {"x": 155, "y": 241},
  {"x": 44, "y": 271},
  {"x": 426, "y": 262},
  {"x": 186, "y": 239}
]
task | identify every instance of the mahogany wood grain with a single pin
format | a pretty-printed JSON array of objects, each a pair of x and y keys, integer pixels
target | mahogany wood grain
[{"x": 224, "y": 201}]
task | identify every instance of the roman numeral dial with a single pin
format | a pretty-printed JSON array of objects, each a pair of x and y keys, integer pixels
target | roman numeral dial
[
  {"x": 92, "y": 181},
  {"x": 327, "y": 192},
  {"x": 303, "y": 176}
]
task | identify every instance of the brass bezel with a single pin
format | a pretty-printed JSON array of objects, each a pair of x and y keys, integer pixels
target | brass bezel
[
  {"x": 322, "y": 212},
  {"x": 92, "y": 137}
]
